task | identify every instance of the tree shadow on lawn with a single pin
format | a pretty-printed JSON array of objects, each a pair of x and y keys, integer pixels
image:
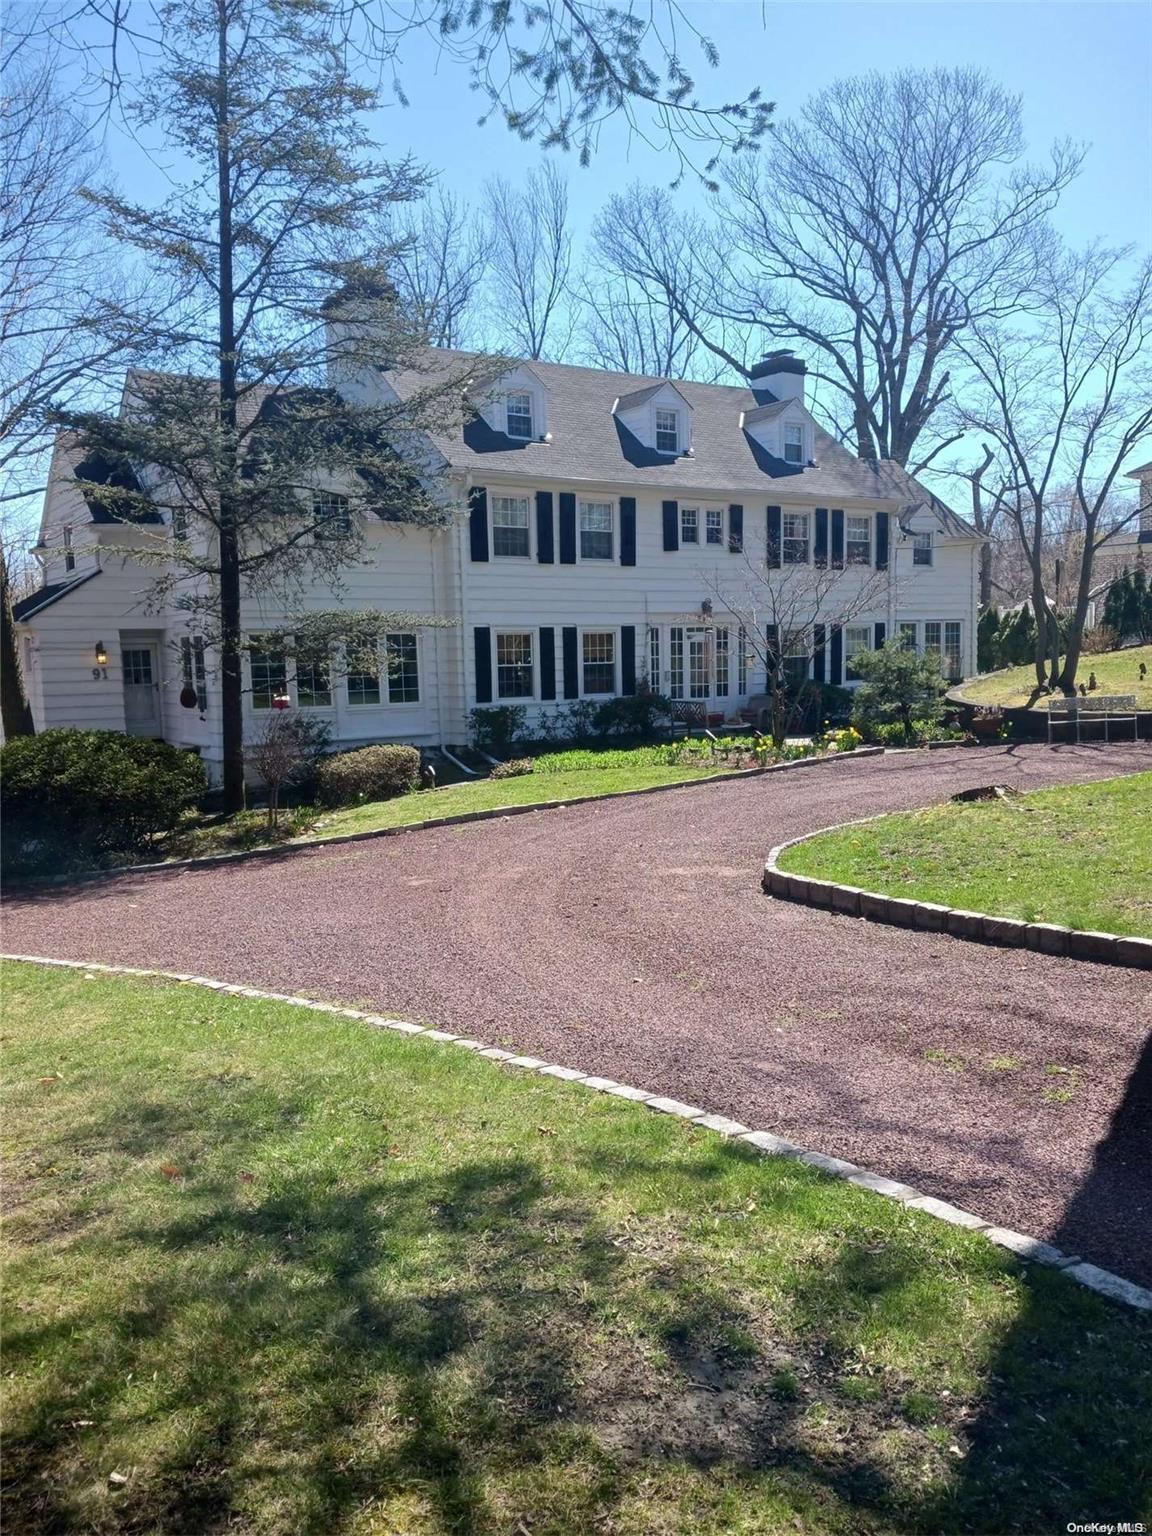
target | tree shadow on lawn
[
  {"x": 471, "y": 1349},
  {"x": 1064, "y": 1433}
]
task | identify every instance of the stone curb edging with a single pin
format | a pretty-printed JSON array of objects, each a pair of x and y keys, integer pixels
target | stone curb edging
[
  {"x": 304, "y": 845},
  {"x": 979, "y": 927},
  {"x": 1104, "y": 1281}
]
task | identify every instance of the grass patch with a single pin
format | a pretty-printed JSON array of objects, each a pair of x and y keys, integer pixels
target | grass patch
[
  {"x": 491, "y": 794},
  {"x": 274, "y": 1272},
  {"x": 1079, "y": 855},
  {"x": 1116, "y": 672}
]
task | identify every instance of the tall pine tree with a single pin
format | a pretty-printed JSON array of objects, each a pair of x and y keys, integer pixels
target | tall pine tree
[{"x": 280, "y": 207}]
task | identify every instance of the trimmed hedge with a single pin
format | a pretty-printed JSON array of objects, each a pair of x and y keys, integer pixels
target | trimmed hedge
[
  {"x": 369, "y": 773},
  {"x": 74, "y": 799}
]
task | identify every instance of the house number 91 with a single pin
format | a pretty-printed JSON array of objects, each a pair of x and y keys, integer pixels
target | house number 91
[{"x": 100, "y": 672}]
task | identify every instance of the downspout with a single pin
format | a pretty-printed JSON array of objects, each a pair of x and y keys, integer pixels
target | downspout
[
  {"x": 466, "y": 491},
  {"x": 438, "y": 645}
]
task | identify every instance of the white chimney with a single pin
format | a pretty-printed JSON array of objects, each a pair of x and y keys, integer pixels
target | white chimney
[{"x": 779, "y": 374}]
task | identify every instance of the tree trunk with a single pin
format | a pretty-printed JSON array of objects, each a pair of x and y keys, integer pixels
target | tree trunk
[
  {"x": 985, "y": 577},
  {"x": 15, "y": 712},
  {"x": 231, "y": 670}
]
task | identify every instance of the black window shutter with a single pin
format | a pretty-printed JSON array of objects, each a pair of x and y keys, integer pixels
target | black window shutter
[
  {"x": 838, "y": 539},
  {"x": 818, "y": 651},
  {"x": 774, "y": 537},
  {"x": 547, "y": 662},
  {"x": 836, "y": 671},
  {"x": 628, "y": 659},
  {"x": 820, "y": 543},
  {"x": 571, "y": 663},
  {"x": 567, "y": 528},
  {"x": 483, "y": 642},
  {"x": 478, "y": 522},
  {"x": 545, "y": 550},
  {"x": 881, "y": 541},
  {"x": 671, "y": 524},
  {"x": 735, "y": 529},
  {"x": 879, "y": 631},
  {"x": 627, "y": 530}
]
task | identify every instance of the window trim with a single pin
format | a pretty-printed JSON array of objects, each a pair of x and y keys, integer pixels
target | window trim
[
  {"x": 919, "y": 548},
  {"x": 66, "y": 546},
  {"x": 722, "y": 541},
  {"x": 252, "y": 648},
  {"x": 851, "y": 650},
  {"x": 695, "y": 539},
  {"x": 294, "y": 683},
  {"x": 785, "y": 538},
  {"x": 403, "y": 634},
  {"x": 534, "y": 641},
  {"x": 794, "y": 426},
  {"x": 672, "y": 411},
  {"x": 601, "y": 629},
  {"x": 866, "y": 519},
  {"x": 334, "y": 532},
  {"x": 521, "y": 394},
  {"x": 493, "y": 498},
  {"x": 612, "y": 505}
]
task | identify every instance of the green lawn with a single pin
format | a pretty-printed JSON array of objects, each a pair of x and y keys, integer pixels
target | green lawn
[
  {"x": 490, "y": 794},
  {"x": 274, "y": 1272},
  {"x": 1116, "y": 672},
  {"x": 1081, "y": 856}
]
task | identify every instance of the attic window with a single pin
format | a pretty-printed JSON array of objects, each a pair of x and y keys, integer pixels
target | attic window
[
  {"x": 69, "y": 556},
  {"x": 332, "y": 516},
  {"x": 667, "y": 430},
  {"x": 519, "y": 418},
  {"x": 793, "y": 443},
  {"x": 922, "y": 549}
]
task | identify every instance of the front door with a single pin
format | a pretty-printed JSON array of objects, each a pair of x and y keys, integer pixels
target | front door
[{"x": 141, "y": 690}]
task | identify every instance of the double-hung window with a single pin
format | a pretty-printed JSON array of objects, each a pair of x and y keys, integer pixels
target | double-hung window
[
  {"x": 519, "y": 415},
  {"x": 932, "y": 633},
  {"x": 510, "y": 528},
  {"x": 403, "y": 669},
  {"x": 364, "y": 677},
  {"x": 858, "y": 541},
  {"x": 793, "y": 443},
  {"x": 714, "y": 526},
  {"x": 331, "y": 517},
  {"x": 599, "y": 659},
  {"x": 654, "y": 657},
  {"x": 69, "y": 556},
  {"x": 596, "y": 530},
  {"x": 857, "y": 638},
  {"x": 515, "y": 664},
  {"x": 922, "y": 549},
  {"x": 795, "y": 538},
  {"x": 667, "y": 430},
  {"x": 269, "y": 676},
  {"x": 313, "y": 680},
  {"x": 689, "y": 525}
]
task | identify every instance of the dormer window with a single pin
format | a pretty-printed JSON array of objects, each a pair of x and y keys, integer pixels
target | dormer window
[
  {"x": 519, "y": 417},
  {"x": 793, "y": 443},
  {"x": 667, "y": 430}
]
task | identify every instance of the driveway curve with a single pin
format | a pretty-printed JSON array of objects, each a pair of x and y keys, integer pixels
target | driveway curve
[{"x": 631, "y": 938}]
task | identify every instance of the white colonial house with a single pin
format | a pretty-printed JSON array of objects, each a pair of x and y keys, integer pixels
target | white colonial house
[{"x": 597, "y": 513}]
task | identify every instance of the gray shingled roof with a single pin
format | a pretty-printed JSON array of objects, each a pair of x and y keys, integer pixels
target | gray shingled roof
[{"x": 590, "y": 444}]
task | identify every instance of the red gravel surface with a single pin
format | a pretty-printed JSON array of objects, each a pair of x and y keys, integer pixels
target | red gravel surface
[{"x": 631, "y": 938}]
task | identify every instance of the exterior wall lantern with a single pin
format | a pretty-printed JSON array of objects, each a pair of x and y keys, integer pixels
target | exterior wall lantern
[{"x": 101, "y": 654}]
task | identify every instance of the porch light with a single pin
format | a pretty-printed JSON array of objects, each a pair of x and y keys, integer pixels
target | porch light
[{"x": 101, "y": 654}]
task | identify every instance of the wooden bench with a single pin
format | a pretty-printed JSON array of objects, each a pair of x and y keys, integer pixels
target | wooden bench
[{"x": 1104, "y": 709}]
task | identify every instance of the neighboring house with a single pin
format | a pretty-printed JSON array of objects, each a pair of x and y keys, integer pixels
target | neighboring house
[{"x": 594, "y": 508}]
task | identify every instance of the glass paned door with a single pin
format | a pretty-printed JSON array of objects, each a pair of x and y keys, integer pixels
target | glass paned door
[{"x": 699, "y": 664}]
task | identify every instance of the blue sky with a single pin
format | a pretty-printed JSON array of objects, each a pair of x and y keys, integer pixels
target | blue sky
[{"x": 1084, "y": 71}]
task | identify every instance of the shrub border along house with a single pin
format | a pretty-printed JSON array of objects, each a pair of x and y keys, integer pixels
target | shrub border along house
[
  {"x": 980, "y": 927},
  {"x": 1103, "y": 1281}
]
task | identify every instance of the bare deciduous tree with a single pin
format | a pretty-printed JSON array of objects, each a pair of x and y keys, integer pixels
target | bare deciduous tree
[
  {"x": 531, "y": 264},
  {"x": 439, "y": 267},
  {"x": 891, "y": 215},
  {"x": 787, "y": 616},
  {"x": 1066, "y": 398},
  {"x": 627, "y": 328}
]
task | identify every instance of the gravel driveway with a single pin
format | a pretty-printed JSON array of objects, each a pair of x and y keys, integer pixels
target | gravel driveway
[{"x": 631, "y": 938}]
